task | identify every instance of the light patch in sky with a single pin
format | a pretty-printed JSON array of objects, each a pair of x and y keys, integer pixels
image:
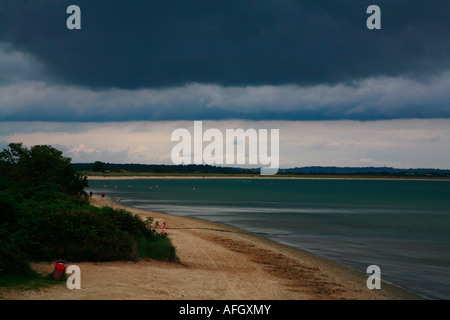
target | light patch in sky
[{"x": 414, "y": 143}]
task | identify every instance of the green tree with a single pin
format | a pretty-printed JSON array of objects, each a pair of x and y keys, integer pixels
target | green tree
[
  {"x": 40, "y": 165},
  {"x": 98, "y": 166}
]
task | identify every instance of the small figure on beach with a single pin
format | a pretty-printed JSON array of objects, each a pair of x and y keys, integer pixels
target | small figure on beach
[
  {"x": 90, "y": 194},
  {"x": 103, "y": 195},
  {"x": 163, "y": 229}
]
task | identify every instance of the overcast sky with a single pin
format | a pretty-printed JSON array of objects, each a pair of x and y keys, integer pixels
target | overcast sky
[{"x": 340, "y": 94}]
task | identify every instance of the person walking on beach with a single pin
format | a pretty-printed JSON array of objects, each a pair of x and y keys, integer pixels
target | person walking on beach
[
  {"x": 163, "y": 229},
  {"x": 90, "y": 194},
  {"x": 103, "y": 195}
]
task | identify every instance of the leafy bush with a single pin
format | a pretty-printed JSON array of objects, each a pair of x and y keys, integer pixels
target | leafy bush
[{"x": 51, "y": 219}]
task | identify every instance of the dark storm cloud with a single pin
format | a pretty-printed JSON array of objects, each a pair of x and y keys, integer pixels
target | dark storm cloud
[{"x": 143, "y": 44}]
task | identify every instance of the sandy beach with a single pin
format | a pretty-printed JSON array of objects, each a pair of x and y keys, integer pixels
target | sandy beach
[{"x": 216, "y": 263}]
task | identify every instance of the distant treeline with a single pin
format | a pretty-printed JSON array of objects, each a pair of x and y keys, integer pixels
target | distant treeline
[
  {"x": 208, "y": 169},
  {"x": 367, "y": 170},
  {"x": 155, "y": 168}
]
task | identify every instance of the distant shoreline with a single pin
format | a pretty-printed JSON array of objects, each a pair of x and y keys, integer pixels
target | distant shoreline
[{"x": 144, "y": 177}]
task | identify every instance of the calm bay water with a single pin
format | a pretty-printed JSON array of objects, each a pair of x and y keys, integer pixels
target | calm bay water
[{"x": 401, "y": 226}]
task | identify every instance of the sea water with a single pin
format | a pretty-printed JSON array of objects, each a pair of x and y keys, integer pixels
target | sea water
[{"x": 400, "y": 225}]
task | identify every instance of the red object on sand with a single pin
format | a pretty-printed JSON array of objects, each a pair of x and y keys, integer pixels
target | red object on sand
[{"x": 60, "y": 268}]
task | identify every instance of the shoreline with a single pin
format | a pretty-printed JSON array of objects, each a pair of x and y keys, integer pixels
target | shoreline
[
  {"x": 217, "y": 262},
  {"x": 258, "y": 177},
  {"x": 394, "y": 288},
  {"x": 396, "y": 291}
]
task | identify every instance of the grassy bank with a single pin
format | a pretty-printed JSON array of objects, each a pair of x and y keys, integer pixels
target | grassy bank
[{"x": 30, "y": 280}]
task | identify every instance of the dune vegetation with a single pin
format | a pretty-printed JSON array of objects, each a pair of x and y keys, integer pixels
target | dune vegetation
[{"x": 45, "y": 215}]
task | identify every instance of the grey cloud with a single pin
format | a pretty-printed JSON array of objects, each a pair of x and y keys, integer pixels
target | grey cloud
[
  {"x": 17, "y": 66},
  {"x": 369, "y": 99}
]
